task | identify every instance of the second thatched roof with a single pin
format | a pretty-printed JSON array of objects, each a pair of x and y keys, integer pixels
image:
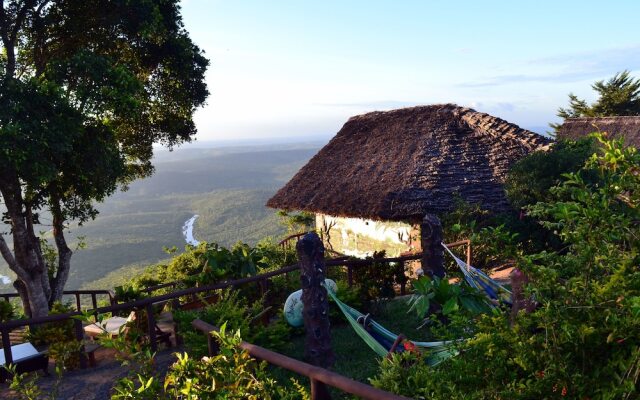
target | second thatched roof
[
  {"x": 401, "y": 164},
  {"x": 627, "y": 127}
]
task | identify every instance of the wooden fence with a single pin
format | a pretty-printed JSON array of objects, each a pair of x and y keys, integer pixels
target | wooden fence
[
  {"x": 77, "y": 294},
  {"x": 319, "y": 378},
  {"x": 174, "y": 297}
]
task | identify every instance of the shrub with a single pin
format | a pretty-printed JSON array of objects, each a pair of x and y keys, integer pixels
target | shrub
[
  {"x": 233, "y": 309},
  {"x": 59, "y": 337},
  {"x": 232, "y": 374},
  {"x": 6, "y": 311}
]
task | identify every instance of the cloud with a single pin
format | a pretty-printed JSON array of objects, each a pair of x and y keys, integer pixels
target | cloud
[
  {"x": 571, "y": 67},
  {"x": 378, "y": 104}
]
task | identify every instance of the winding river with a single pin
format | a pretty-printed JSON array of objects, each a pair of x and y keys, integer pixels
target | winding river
[{"x": 187, "y": 231}]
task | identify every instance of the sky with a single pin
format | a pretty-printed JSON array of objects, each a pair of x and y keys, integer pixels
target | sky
[{"x": 299, "y": 69}]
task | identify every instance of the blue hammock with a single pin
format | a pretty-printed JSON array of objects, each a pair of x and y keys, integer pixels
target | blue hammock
[{"x": 481, "y": 281}]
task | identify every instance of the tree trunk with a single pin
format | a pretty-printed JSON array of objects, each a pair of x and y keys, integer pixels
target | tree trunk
[
  {"x": 64, "y": 255},
  {"x": 26, "y": 260}
]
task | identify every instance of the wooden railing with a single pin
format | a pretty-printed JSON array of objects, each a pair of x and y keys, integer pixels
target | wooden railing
[
  {"x": 77, "y": 294},
  {"x": 319, "y": 378},
  {"x": 174, "y": 297},
  {"x": 286, "y": 243}
]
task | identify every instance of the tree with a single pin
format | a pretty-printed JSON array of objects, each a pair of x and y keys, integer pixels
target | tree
[
  {"x": 619, "y": 95},
  {"x": 530, "y": 179},
  {"x": 87, "y": 87}
]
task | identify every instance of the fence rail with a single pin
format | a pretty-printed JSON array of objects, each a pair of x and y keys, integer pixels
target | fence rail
[
  {"x": 147, "y": 303},
  {"x": 77, "y": 294},
  {"x": 319, "y": 378}
]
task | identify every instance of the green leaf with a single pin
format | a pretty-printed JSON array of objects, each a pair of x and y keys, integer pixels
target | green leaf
[{"x": 450, "y": 306}]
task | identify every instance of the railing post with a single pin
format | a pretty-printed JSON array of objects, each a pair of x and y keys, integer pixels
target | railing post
[
  {"x": 6, "y": 345},
  {"x": 151, "y": 327},
  {"x": 319, "y": 390},
  {"x": 433, "y": 253},
  {"x": 79, "y": 333},
  {"x": 314, "y": 298},
  {"x": 403, "y": 278},
  {"x": 212, "y": 345},
  {"x": 350, "y": 275},
  {"x": 78, "y": 305},
  {"x": 264, "y": 288},
  {"x": 94, "y": 301}
]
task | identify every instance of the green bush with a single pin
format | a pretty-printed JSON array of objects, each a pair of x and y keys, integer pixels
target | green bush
[
  {"x": 530, "y": 179},
  {"x": 379, "y": 279},
  {"x": 6, "y": 311},
  {"x": 232, "y": 374},
  {"x": 58, "y": 337},
  {"x": 233, "y": 310},
  {"x": 210, "y": 263}
]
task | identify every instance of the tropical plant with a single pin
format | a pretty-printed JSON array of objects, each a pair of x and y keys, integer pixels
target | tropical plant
[{"x": 438, "y": 294}]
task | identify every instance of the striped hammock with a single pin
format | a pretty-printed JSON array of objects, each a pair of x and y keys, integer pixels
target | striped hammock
[
  {"x": 481, "y": 281},
  {"x": 381, "y": 340}
]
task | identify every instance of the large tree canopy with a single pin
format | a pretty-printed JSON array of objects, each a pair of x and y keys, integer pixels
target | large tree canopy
[{"x": 86, "y": 88}]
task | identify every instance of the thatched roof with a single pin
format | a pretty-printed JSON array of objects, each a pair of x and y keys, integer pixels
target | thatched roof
[
  {"x": 401, "y": 164},
  {"x": 627, "y": 127}
]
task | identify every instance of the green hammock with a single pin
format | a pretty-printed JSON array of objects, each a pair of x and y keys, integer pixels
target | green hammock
[{"x": 380, "y": 339}]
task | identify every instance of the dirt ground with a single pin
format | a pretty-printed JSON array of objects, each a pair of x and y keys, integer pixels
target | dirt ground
[{"x": 93, "y": 383}]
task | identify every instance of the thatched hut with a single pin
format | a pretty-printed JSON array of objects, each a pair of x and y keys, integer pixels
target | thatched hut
[
  {"x": 627, "y": 127},
  {"x": 378, "y": 177}
]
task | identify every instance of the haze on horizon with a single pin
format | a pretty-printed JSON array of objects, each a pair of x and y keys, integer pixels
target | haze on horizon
[{"x": 301, "y": 68}]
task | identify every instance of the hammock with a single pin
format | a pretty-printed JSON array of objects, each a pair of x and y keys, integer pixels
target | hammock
[
  {"x": 481, "y": 281},
  {"x": 381, "y": 340}
]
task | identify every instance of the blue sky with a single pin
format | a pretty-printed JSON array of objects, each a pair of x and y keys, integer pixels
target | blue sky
[{"x": 300, "y": 68}]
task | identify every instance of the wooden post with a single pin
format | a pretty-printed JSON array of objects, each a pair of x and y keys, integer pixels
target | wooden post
[
  {"x": 79, "y": 333},
  {"x": 94, "y": 301},
  {"x": 314, "y": 298},
  {"x": 212, "y": 346},
  {"x": 433, "y": 253},
  {"x": 319, "y": 391},
  {"x": 151, "y": 327},
  {"x": 78, "y": 304},
  {"x": 6, "y": 347}
]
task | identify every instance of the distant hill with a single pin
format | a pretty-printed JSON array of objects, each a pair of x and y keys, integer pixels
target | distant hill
[{"x": 226, "y": 186}]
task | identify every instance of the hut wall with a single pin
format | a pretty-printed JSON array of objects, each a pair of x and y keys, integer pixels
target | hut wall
[{"x": 361, "y": 237}]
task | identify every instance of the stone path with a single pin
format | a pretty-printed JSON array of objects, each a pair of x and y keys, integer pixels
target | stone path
[{"x": 92, "y": 383}]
